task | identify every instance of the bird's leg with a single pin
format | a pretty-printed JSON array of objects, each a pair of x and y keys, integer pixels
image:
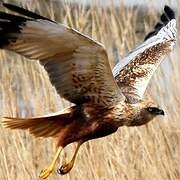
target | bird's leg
[
  {"x": 46, "y": 172},
  {"x": 65, "y": 168}
]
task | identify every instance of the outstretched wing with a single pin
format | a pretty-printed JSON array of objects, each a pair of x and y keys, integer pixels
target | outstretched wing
[
  {"x": 78, "y": 67},
  {"x": 141, "y": 63}
]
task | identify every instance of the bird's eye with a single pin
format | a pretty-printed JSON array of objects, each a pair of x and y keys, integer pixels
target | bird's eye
[
  {"x": 150, "y": 109},
  {"x": 155, "y": 110}
]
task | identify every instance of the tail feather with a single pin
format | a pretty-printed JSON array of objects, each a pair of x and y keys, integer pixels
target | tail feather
[{"x": 48, "y": 126}]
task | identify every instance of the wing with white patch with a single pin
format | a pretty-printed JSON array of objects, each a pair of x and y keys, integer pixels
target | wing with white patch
[
  {"x": 142, "y": 62},
  {"x": 78, "y": 67}
]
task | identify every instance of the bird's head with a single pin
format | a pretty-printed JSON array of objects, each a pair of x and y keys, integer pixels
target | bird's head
[
  {"x": 154, "y": 111},
  {"x": 145, "y": 113},
  {"x": 151, "y": 111}
]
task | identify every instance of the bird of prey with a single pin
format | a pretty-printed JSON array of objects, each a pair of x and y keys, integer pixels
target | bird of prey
[{"x": 78, "y": 67}]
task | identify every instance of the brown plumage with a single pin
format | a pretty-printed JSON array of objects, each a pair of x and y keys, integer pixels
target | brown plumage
[{"x": 79, "y": 69}]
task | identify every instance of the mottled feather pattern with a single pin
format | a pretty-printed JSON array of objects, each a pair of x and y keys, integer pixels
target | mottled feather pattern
[
  {"x": 142, "y": 62},
  {"x": 81, "y": 77},
  {"x": 134, "y": 77}
]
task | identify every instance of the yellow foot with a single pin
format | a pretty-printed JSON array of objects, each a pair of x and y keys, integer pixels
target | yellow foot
[
  {"x": 65, "y": 168},
  {"x": 45, "y": 173}
]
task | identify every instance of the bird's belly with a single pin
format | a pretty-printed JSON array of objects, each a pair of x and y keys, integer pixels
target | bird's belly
[
  {"x": 86, "y": 131},
  {"x": 102, "y": 130},
  {"x": 89, "y": 127}
]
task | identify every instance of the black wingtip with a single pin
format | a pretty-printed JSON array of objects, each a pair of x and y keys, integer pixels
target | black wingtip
[
  {"x": 5, "y": 4},
  {"x": 24, "y": 12},
  {"x": 164, "y": 19},
  {"x": 167, "y": 16},
  {"x": 8, "y": 6},
  {"x": 150, "y": 35},
  {"x": 169, "y": 12},
  {"x": 11, "y": 25}
]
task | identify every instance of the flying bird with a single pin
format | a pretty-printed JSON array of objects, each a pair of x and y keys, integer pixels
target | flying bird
[{"x": 78, "y": 67}]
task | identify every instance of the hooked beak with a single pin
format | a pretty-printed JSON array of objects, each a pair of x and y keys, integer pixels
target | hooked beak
[{"x": 161, "y": 112}]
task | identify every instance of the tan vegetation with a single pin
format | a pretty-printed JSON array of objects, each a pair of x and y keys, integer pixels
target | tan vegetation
[{"x": 150, "y": 152}]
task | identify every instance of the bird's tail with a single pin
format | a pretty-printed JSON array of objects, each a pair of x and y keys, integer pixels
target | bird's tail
[{"x": 48, "y": 126}]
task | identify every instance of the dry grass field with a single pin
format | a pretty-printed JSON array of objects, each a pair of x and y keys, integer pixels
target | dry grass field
[{"x": 150, "y": 152}]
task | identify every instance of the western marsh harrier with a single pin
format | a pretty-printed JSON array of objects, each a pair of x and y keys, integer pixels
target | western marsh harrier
[{"x": 79, "y": 69}]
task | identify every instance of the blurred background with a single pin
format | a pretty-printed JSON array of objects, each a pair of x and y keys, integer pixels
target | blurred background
[{"x": 150, "y": 152}]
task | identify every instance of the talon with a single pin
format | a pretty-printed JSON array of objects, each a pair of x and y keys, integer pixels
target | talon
[
  {"x": 46, "y": 172},
  {"x": 64, "y": 169}
]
